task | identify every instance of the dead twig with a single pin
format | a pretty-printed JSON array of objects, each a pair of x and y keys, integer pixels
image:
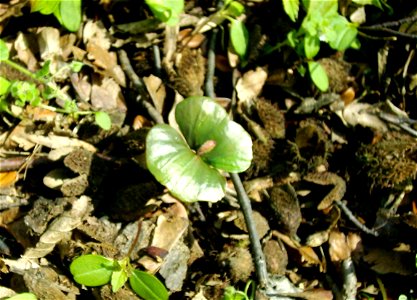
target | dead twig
[
  {"x": 354, "y": 220},
  {"x": 139, "y": 85},
  {"x": 349, "y": 280}
]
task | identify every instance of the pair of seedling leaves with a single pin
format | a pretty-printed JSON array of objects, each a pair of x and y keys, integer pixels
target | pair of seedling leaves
[
  {"x": 96, "y": 270},
  {"x": 188, "y": 162}
]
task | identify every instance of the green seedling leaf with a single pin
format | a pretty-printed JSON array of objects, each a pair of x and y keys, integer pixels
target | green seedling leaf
[
  {"x": 239, "y": 37},
  {"x": 167, "y": 11},
  {"x": 188, "y": 168},
  {"x": 177, "y": 167},
  {"x": 311, "y": 46},
  {"x": 200, "y": 120},
  {"x": 118, "y": 279},
  {"x": 92, "y": 270},
  {"x": 45, "y": 7},
  {"x": 4, "y": 86},
  {"x": 318, "y": 75},
  {"x": 4, "y": 51},
  {"x": 103, "y": 120},
  {"x": 119, "y": 276},
  {"x": 147, "y": 286},
  {"x": 70, "y": 14},
  {"x": 23, "y": 296},
  {"x": 345, "y": 36},
  {"x": 44, "y": 71},
  {"x": 76, "y": 66},
  {"x": 234, "y": 9},
  {"x": 291, "y": 8}
]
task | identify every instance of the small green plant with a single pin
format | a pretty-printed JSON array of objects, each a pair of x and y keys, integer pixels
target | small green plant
[
  {"x": 322, "y": 23},
  {"x": 188, "y": 163},
  {"x": 230, "y": 293},
  {"x": 96, "y": 270},
  {"x": 68, "y": 12},
  {"x": 27, "y": 92}
]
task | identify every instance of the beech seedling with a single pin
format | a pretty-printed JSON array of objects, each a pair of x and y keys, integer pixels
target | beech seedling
[
  {"x": 96, "y": 270},
  {"x": 188, "y": 162}
]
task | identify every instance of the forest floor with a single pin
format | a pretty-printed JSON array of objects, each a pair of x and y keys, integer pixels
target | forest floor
[{"x": 331, "y": 183}]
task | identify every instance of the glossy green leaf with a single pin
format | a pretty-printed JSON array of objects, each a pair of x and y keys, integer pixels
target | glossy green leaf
[
  {"x": 70, "y": 14},
  {"x": 92, "y": 270},
  {"x": 23, "y": 296},
  {"x": 311, "y": 46},
  {"x": 147, "y": 286},
  {"x": 4, "y": 86},
  {"x": 118, "y": 279},
  {"x": 4, "y": 51},
  {"x": 291, "y": 8},
  {"x": 200, "y": 120},
  {"x": 45, "y": 7},
  {"x": 167, "y": 11},
  {"x": 234, "y": 9},
  {"x": 239, "y": 37},
  {"x": 345, "y": 36},
  {"x": 318, "y": 75},
  {"x": 103, "y": 120},
  {"x": 176, "y": 166}
]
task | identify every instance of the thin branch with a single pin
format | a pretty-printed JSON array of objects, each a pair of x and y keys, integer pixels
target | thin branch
[
  {"x": 349, "y": 280},
  {"x": 211, "y": 62},
  {"x": 259, "y": 257},
  {"x": 139, "y": 85},
  {"x": 157, "y": 60},
  {"x": 354, "y": 220}
]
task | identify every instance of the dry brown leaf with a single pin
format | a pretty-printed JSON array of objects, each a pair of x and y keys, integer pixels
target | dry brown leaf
[
  {"x": 94, "y": 31},
  {"x": 170, "y": 228},
  {"x": 385, "y": 261},
  {"x": 81, "y": 85},
  {"x": 24, "y": 52},
  {"x": 107, "y": 61},
  {"x": 307, "y": 253},
  {"x": 106, "y": 95},
  {"x": 338, "y": 246},
  {"x": 156, "y": 90},
  {"x": 250, "y": 85},
  {"x": 7, "y": 179}
]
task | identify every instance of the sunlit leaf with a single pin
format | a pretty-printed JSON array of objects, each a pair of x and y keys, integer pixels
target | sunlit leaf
[
  {"x": 200, "y": 120},
  {"x": 318, "y": 75},
  {"x": 70, "y": 14},
  {"x": 291, "y": 8},
  {"x": 4, "y": 86},
  {"x": 44, "y": 71},
  {"x": 234, "y": 9},
  {"x": 103, "y": 120},
  {"x": 4, "y": 51},
  {"x": 45, "y": 7},
  {"x": 311, "y": 46},
  {"x": 118, "y": 279},
  {"x": 147, "y": 286},
  {"x": 346, "y": 35},
  {"x": 239, "y": 37},
  {"x": 176, "y": 166},
  {"x": 92, "y": 270}
]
